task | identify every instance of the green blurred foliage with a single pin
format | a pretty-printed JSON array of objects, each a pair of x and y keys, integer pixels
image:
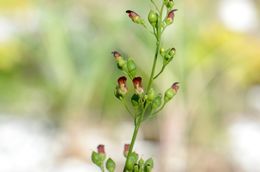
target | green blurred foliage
[{"x": 60, "y": 64}]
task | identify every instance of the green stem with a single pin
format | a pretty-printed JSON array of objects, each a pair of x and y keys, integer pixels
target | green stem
[
  {"x": 156, "y": 7},
  {"x": 102, "y": 168},
  {"x": 137, "y": 126},
  {"x": 127, "y": 108},
  {"x": 139, "y": 121},
  {"x": 158, "y": 44},
  {"x": 159, "y": 72}
]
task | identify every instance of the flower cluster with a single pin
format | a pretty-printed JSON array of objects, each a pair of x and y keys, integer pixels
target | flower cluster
[{"x": 130, "y": 89}]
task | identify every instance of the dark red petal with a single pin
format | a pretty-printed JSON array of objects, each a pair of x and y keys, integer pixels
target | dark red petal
[
  {"x": 126, "y": 147},
  {"x": 116, "y": 54},
  {"x": 171, "y": 14},
  {"x": 175, "y": 86},
  {"x": 122, "y": 80},
  {"x": 137, "y": 81},
  {"x": 131, "y": 14},
  {"x": 101, "y": 149}
]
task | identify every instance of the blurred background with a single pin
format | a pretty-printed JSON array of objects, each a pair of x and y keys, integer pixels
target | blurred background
[{"x": 57, "y": 78}]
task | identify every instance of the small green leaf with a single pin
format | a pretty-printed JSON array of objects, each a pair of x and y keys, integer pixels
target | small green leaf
[{"x": 110, "y": 165}]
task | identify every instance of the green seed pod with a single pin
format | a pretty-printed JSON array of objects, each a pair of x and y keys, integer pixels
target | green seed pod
[
  {"x": 135, "y": 100},
  {"x": 136, "y": 168},
  {"x": 149, "y": 162},
  {"x": 121, "y": 64},
  {"x": 165, "y": 2},
  {"x": 147, "y": 168},
  {"x": 110, "y": 165},
  {"x": 97, "y": 158},
  {"x": 162, "y": 52},
  {"x": 169, "y": 94},
  {"x": 153, "y": 18},
  {"x": 131, "y": 67},
  {"x": 132, "y": 159},
  {"x": 170, "y": 4},
  {"x": 148, "y": 165},
  {"x": 157, "y": 101},
  {"x": 141, "y": 165},
  {"x": 150, "y": 95}
]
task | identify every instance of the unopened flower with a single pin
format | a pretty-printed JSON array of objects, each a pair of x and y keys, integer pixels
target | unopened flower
[
  {"x": 134, "y": 17},
  {"x": 170, "y": 17},
  {"x": 171, "y": 92},
  {"x": 126, "y": 149},
  {"x": 137, "y": 81},
  {"x": 175, "y": 87},
  {"x": 121, "y": 63},
  {"x": 101, "y": 149},
  {"x": 117, "y": 55}
]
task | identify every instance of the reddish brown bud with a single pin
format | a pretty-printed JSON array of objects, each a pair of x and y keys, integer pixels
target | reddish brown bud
[
  {"x": 101, "y": 149},
  {"x": 137, "y": 81},
  {"x": 134, "y": 17},
  {"x": 126, "y": 149},
  {"x": 132, "y": 14},
  {"x": 175, "y": 86},
  {"x": 170, "y": 16},
  {"x": 116, "y": 54}
]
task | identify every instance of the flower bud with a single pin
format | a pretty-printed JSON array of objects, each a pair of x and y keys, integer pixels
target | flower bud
[
  {"x": 132, "y": 159},
  {"x": 117, "y": 55},
  {"x": 162, "y": 52},
  {"x": 136, "y": 168},
  {"x": 150, "y": 95},
  {"x": 170, "y": 4},
  {"x": 121, "y": 89},
  {"x": 171, "y": 92},
  {"x": 131, "y": 67},
  {"x": 134, "y": 17},
  {"x": 168, "y": 55},
  {"x": 135, "y": 100},
  {"x": 126, "y": 149},
  {"x": 101, "y": 149},
  {"x": 148, "y": 165},
  {"x": 157, "y": 102},
  {"x": 99, "y": 157},
  {"x": 170, "y": 17},
  {"x": 137, "y": 81},
  {"x": 165, "y": 2},
  {"x": 153, "y": 18},
  {"x": 141, "y": 164},
  {"x": 121, "y": 63},
  {"x": 110, "y": 165}
]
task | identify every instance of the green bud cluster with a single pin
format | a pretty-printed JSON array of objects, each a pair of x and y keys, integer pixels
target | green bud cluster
[
  {"x": 134, "y": 164},
  {"x": 99, "y": 158},
  {"x": 167, "y": 55}
]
